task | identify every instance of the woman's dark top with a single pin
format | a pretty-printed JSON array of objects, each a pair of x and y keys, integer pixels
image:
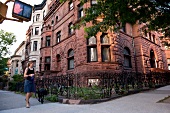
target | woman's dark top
[{"x": 30, "y": 72}]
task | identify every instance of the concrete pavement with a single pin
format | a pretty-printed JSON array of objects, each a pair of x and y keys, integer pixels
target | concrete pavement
[
  {"x": 11, "y": 100},
  {"x": 145, "y": 102}
]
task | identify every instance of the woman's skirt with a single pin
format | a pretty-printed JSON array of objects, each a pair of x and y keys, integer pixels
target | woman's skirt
[{"x": 29, "y": 86}]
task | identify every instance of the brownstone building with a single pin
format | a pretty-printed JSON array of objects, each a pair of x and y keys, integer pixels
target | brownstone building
[
  {"x": 166, "y": 44},
  {"x": 64, "y": 50}
]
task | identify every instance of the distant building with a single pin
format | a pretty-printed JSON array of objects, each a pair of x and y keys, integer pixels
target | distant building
[
  {"x": 33, "y": 35},
  {"x": 16, "y": 59},
  {"x": 64, "y": 50}
]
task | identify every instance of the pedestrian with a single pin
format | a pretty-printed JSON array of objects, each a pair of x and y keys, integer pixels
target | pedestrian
[{"x": 29, "y": 86}]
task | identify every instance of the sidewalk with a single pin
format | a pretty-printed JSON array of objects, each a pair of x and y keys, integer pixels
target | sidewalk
[{"x": 145, "y": 102}]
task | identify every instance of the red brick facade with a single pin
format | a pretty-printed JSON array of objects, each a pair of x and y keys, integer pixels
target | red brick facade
[{"x": 131, "y": 45}]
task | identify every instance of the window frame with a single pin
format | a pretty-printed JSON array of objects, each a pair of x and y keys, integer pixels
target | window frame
[
  {"x": 70, "y": 58},
  {"x": 35, "y": 48},
  {"x": 58, "y": 36},
  {"x": 36, "y": 30},
  {"x": 102, "y": 54},
  {"x": 46, "y": 60},
  {"x": 91, "y": 45},
  {"x": 58, "y": 61},
  {"x": 93, "y": 4},
  {"x": 70, "y": 30},
  {"x": 52, "y": 22},
  {"x": 47, "y": 65},
  {"x": 127, "y": 56},
  {"x": 37, "y": 17},
  {"x": 105, "y": 45},
  {"x": 71, "y": 7},
  {"x": 56, "y": 18},
  {"x": 48, "y": 41},
  {"x": 80, "y": 11}
]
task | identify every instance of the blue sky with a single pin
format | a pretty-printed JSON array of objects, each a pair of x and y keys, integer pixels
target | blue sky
[{"x": 19, "y": 29}]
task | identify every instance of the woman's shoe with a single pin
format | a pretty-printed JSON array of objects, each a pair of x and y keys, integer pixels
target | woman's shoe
[{"x": 27, "y": 106}]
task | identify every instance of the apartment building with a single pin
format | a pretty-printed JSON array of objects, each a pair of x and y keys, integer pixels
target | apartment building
[{"x": 65, "y": 50}]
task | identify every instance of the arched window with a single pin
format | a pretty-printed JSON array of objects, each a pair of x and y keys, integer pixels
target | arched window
[
  {"x": 105, "y": 47},
  {"x": 56, "y": 18},
  {"x": 92, "y": 49},
  {"x": 71, "y": 5},
  {"x": 70, "y": 28},
  {"x": 58, "y": 59},
  {"x": 152, "y": 59},
  {"x": 105, "y": 39},
  {"x": 52, "y": 22},
  {"x": 70, "y": 59},
  {"x": 127, "y": 57}
]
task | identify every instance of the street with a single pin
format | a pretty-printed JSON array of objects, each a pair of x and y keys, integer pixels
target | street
[{"x": 145, "y": 102}]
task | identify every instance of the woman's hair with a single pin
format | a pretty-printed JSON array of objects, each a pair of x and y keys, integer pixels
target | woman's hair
[{"x": 29, "y": 63}]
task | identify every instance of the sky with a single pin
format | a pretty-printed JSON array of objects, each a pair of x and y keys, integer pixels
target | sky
[{"x": 19, "y": 29}]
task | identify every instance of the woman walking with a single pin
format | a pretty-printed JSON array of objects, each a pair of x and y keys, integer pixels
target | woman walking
[{"x": 29, "y": 86}]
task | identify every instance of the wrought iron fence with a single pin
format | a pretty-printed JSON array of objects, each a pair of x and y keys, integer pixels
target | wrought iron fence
[{"x": 98, "y": 85}]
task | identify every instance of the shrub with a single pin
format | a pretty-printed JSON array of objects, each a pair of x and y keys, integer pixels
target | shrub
[
  {"x": 52, "y": 98},
  {"x": 18, "y": 78},
  {"x": 12, "y": 85}
]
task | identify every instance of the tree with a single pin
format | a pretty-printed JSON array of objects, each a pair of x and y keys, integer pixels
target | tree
[
  {"x": 3, "y": 66},
  {"x": 6, "y": 40},
  {"x": 115, "y": 13}
]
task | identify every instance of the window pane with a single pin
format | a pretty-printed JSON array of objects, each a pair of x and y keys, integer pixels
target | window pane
[
  {"x": 37, "y": 17},
  {"x": 34, "y": 64},
  {"x": 168, "y": 60},
  {"x": 70, "y": 53},
  {"x": 58, "y": 36},
  {"x": 92, "y": 40},
  {"x": 126, "y": 51},
  {"x": 127, "y": 62},
  {"x": 92, "y": 54},
  {"x": 56, "y": 18},
  {"x": 58, "y": 58},
  {"x": 104, "y": 39},
  {"x": 47, "y": 60},
  {"x": 105, "y": 54},
  {"x": 71, "y": 6},
  {"x": 48, "y": 41},
  {"x": 35, "y": 46},
  {"x": 93, "y": 2},
  {"x": 47, "y": 67},
  {"x": 81, "y": 13},
  {"x": 71, "y": 63},
  {"x": 52, "y": 22},
  {"x": 37, "y": 31},
  {"x": 71, "y": 30}
]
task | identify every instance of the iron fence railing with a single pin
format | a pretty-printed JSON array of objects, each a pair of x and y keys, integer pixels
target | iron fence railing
[{"x": 99, "y": 85}]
